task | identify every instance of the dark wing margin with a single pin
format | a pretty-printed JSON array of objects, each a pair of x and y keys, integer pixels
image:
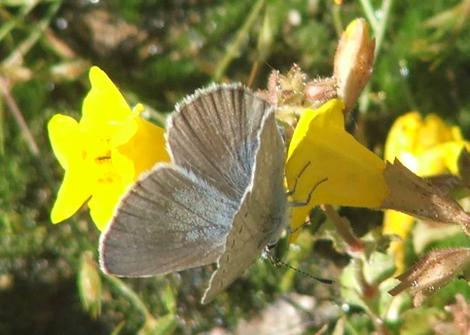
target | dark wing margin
[
  {"x": 168, "y": 221},
  {"x": 262, "y": 214},
  {"x": 213, "y": 133}
]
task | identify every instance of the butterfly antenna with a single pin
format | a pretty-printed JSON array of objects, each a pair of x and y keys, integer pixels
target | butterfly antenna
[
  {"x": 255, "y": 67},
  {"x": 277, "y": 262},
  {"x": 253, "y": 73},
  {"x": 269, "y": 65}
]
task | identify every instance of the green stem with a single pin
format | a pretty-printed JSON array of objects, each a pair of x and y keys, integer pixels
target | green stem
[
  {"x": 366, "y": 290},
  {"x": 379, "y": 28},
  {"x": 234, "y": 48},
  {"x": 344, "y": 229},
  {"x": 129, "y": 293},
  {"x": 338, "y": 24},
  {"x": 2, "y": 134},
  {"x": 364, "y": 100},
  {"x": 369, "y": 12},
  {"x": 382, "y": 27}
]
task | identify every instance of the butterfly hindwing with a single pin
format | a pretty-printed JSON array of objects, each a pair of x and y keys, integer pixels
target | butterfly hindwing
[{"x": 168, "y": 221}]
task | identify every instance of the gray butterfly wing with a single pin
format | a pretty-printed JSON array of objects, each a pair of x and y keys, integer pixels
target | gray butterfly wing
[
  {"x": 262, "y": 214},
  {"x": 170, "y": 220},
  {"x": 213, "y": 133}
]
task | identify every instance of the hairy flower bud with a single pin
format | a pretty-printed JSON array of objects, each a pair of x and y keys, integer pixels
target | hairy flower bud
[
  {"x": 353, "y": 61},
  {"x": 432, "y": 272}
]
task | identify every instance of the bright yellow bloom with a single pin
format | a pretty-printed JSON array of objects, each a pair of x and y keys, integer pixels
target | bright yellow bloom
[
  {"x": 427, "y": 147},
  {"x": 322, "y": 149},
  {"x": 103, "y": 153}
]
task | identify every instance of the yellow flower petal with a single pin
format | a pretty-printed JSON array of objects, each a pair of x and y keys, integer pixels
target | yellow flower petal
[
  {"x": 67, "y": 143},
  {"x": 65, "y": 139},
  {"x": 118, "y": 174},
  {"x": 428, "y": 147},
  {"x": 402, "y": 135},
  {"x": 105, "y": 110},
  {"x": 297, "y": 218},
  {"x": 329, "y": 114},
  {"x": 442, "y": 158},
  {"x": 104, "y": 102},
  {"x": 411, "y": 134},
  {"x": 400, "y": 224},
  {"x": 324, "y": 150},
  {"x": 102, "y": 205},
  {"x": 73, "y": 192},
  {"x": 147, "y": 146},
  {"x": 124, "y": 167},
  {"x": 397, "y": 223},
  {"x": 433, "y": 131}
]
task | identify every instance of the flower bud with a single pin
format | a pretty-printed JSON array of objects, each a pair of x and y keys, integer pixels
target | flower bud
[
  {"x": 89, "y": 285},
  {"x": 353, "y": 61},
  {"x": 432, "y": 272}
]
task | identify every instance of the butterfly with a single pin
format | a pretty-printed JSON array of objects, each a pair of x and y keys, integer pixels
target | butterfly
[{"x": 221, "y": 199}]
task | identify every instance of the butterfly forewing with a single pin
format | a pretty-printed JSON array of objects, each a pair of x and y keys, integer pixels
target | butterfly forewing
[
  {"x": 261, "y": 216},
  {"x": 169, "y": 221},
  {"x": 213, "y": 133}
]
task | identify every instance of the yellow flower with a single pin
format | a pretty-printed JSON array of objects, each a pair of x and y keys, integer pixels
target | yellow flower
[
  {"x": 321, "y": 149},
  {"x": 103, "y": 153},
  {"x": 427, "y": 147}
]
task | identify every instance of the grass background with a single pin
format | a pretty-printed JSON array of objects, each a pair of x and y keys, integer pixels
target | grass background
[{"x": 157, "y": 52}]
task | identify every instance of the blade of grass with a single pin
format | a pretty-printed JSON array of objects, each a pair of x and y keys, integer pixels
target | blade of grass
[
  {"x": 382, "y": 26},
  {"x": 11, "y": 24},
  {"x": 2, "y": 135},
  {"x": 234, "y": 48},
  {"x": 370, "y": 14},
  {"x": 18, "y": 116},
  {"x": 338, "y": 24},
  {"x": 23, "y": 48}
]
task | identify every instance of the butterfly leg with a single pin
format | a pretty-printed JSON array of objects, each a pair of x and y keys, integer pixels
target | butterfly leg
[
  {"x": 290, "y": 231},
  {"x": 291, "y": 192},
  {"x": 309, "y": 197}
]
